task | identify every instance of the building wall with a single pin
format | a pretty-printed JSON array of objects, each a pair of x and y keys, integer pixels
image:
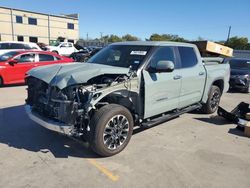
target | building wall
[{"x": 49, "y": 27}]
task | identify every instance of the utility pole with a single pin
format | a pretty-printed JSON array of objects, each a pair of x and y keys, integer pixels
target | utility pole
[
  {"x": 229, "y": 32},
  {"x": 87, "y": 36}
]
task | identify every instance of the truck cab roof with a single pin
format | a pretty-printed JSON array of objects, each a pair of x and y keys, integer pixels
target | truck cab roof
[{"x": 154, "y": 43}]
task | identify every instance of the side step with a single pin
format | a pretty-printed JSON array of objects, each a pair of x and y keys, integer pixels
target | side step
[{"x": 168, "y": 116}]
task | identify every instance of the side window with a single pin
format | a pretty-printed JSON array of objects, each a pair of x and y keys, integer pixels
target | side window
[
  {"x": 46, "y": 57},
  {"x": 70, "y": 45},
  {"x": 4, "y": 46},
  {"x": 25, "y": 58},
  {"x": 17, "y": 46},
  {"x": 187, "y": 56},
  {"x": 165, "y": 53},
  {"x": 64, "y": 45}
]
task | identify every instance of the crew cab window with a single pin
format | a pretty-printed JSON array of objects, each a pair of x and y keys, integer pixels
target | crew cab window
[
  {"x": 25, "y": 58},
  {"x": 46, "y": 57},
  {"x": 64, "y": 45},
  {"x": 187, "y": 56},
  {"x": 165, "y": 53}
]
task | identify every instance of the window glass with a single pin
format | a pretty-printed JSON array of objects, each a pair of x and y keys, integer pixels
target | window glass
[
  {"x": 46, "y": 57},
  {"x": 70, "y": 26},
  {"x": 165, "y": 53},
  {"x": 4, "y": 46},
  {"x": 188, "y": 57},
  {"x": 239, "y": 64},
  {"x": 70, "y": 45},
  {"x": 33, "y": 39},
  {"x": 26, "y": 58},
  {"x": 19, "y": 46},
  {"x": 7, "y": 55},
  {"x": 121, "y": 56},
  {"x": 64, "y": 45},
  {"x": 71, "y": 41},
  {"x": 19, "y": 19},
  {"x": 20, "y": 38},
  {"x": 32, "y": 21}
]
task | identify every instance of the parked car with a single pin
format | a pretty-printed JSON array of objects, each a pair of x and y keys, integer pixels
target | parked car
[
  {"x": 124, "y": 85},
  {"x": 14, "y": 45},
  {"x": 240, "y": 74},
  {"x": 80, "y": 56},
  {"x": 43, "y": 46},
  {"x": 62, "y": 48},
  {"x": 84, "y": 54},
  {"x": 14, "y": 64}
]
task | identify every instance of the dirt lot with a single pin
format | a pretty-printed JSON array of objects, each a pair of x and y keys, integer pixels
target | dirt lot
[{"x": 193, "y": 150}]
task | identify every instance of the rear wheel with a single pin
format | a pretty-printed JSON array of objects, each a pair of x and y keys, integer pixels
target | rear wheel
[
  {"x": 213, "y": 100},
  {"x": 112, "y": 127}
]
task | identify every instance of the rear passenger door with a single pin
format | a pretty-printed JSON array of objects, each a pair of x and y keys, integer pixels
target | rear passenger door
[
  {"x": 162, "y": 90},
  {"x": 193, "y": 76}
]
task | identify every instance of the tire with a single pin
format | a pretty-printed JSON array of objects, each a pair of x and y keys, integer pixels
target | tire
[
  {"x": 105, "y": 133},
  {"x": 213, "y": 100},
  {"x": 1, "y": 82}
]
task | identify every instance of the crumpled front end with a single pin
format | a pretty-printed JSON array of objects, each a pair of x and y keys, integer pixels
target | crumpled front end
[
  {"x": 239, "y": 81},
  {"x": 69, "y": 110}
]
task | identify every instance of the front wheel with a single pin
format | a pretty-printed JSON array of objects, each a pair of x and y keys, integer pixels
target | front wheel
[
  {"x": 1, "y": 82},
  {"x": 213, "y": 100},
  {"x": 111, "y": 129}
]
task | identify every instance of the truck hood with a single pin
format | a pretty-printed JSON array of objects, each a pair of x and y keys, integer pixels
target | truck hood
[{"x": 64, "y": 75}]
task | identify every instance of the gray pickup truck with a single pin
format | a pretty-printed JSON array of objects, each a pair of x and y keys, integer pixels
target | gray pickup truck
[{"x": 124, "y": 85}]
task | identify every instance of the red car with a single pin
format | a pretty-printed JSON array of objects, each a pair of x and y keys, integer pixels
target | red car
[{"x": 14, "y": 64}]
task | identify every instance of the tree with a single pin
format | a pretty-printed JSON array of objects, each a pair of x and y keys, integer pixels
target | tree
[
  {"x": 129, "y": 37},
  {"x": 114, "y": 38},
  {"x": 238, "y": 43},
  {"x": 166, "y": 37}
]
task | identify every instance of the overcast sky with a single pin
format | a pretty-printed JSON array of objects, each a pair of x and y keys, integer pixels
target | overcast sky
[{"x": 190, "y": 19}]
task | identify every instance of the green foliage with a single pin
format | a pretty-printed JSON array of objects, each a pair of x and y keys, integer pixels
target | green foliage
[
  {"x": 238, "y": 43},
  {"x": 166, "y": 37},
  {"x": 129, "y": 37}
]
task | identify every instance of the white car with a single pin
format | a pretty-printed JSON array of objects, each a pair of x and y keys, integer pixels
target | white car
[
  {"x": 15, "y": 45},
  {"x": 63, "y": 48}
]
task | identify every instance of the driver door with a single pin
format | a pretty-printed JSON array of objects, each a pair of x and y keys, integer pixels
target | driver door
[
  {"x": 25, "y": 62},
  {"x": 162, "y": 90}
]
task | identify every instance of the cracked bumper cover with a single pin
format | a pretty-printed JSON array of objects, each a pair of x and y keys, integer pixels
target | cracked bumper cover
[{"x": 49, "y": 124}]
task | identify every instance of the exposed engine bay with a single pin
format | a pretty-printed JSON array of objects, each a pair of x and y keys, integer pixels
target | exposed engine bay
[{"x": 75, "y": 104}]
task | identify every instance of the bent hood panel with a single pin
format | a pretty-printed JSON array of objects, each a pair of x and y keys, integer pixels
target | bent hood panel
[{"x": 63, "y": 75}]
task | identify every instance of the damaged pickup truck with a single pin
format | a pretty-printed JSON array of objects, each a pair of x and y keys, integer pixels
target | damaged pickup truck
[{"x": 124, "y": 85}]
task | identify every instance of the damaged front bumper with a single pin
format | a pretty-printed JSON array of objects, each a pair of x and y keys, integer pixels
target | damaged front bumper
[
  {"x": 48, "y": 123},
  {"x": 239, "y": 82}
]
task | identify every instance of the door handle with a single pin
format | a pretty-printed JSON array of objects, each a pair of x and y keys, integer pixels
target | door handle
[
  {"x": 201, "y": 73},
  {"x": 177, "y": 77}
]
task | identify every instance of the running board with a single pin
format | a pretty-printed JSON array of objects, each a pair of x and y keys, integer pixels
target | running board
[{"x": 171, "y": 115}]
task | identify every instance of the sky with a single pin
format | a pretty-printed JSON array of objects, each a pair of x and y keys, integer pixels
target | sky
[{"x": 209, "y": 19}]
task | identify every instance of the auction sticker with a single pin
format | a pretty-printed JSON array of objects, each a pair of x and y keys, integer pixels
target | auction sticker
[{"x": 138, "y": 53}]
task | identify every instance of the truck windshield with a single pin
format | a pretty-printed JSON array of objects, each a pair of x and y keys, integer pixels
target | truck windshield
[
  {"x": 240, "y": 64},
  {"x": 121, "y": 56},
  {"x": 8, "y": 55}
]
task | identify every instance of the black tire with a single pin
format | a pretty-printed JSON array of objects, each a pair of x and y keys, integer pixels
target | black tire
[
  {"x": 213, "y": 100},
  {"x": 1, "y": 82},
  {"x": 101, "y": 122}
]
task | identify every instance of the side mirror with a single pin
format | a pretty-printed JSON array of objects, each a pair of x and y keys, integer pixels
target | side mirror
[
  {"x": 13, "y": 62},
  {"x": 163, "y": 66}
]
